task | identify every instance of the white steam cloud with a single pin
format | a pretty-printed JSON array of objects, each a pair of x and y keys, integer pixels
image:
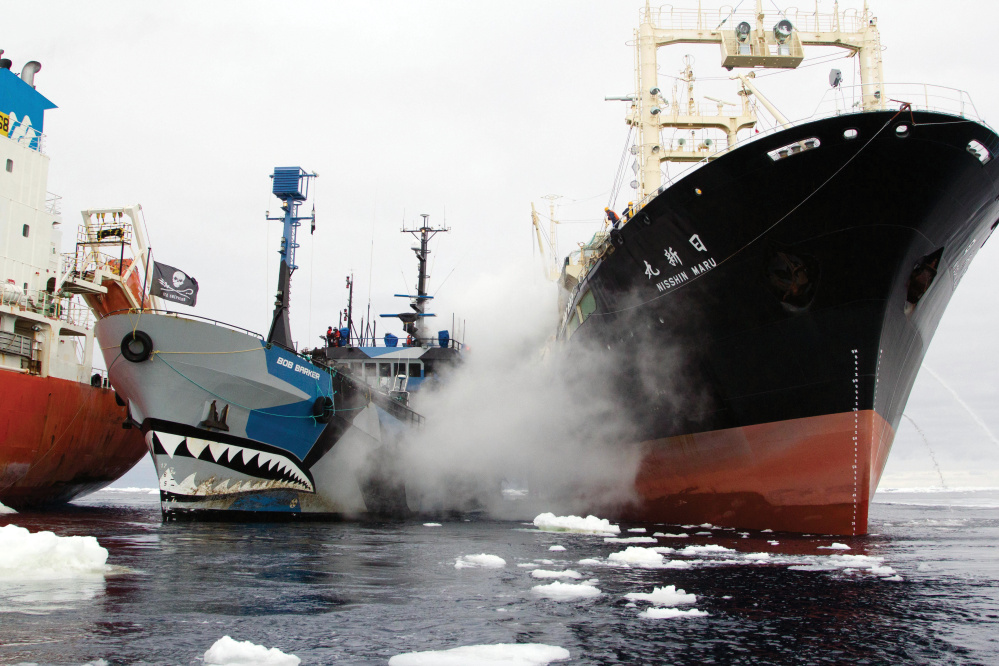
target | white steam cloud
[{"x": 517, "y": 414}]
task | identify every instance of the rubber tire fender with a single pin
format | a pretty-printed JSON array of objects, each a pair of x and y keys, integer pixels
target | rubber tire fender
[
  {"x": 322, "y": 408},
  {"x": 145, "y": 346}
]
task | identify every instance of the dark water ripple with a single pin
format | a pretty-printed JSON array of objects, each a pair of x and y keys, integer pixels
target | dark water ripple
[{"x": 359, "y": 593}]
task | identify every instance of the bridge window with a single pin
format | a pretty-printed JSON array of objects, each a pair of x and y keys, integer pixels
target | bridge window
[
  {"x": 10, "y": 166},
  {"x": 25, "y": 230}
]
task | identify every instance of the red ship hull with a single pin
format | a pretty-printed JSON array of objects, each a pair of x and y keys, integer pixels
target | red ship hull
[
  {"x": 813, "y": 474},
  {"x": 60, "y": 439}
]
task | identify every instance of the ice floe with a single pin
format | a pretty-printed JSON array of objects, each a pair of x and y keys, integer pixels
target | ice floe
[
  {"x": 544, "y": 573},
  {"x": 481, "y": 561},
  {"x": 681, "y": 535},
  {"x": 835, "y": 546},
  {"x": 503, "y": 654},
  {"x": 432, "y": 525},
  {"x": 566, "y": 591},
  {"x": 663, "y": 596},
  {"x": 670, "y": 613},
  {"x": 638, "y": 557},
  {"x": 229, "y": 652},
  {"x": 549, "y": 522},
  {"x": 44, "y": 555},
  {"x": 634, "y": 539},
  {"x": 556, "y": 548},
  {"x": 710, "y": 548}
]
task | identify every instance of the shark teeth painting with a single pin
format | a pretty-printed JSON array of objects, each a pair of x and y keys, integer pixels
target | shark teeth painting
[{"x": 252, "y": 469}]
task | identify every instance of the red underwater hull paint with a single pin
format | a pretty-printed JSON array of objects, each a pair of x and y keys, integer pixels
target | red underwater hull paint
[
  {"x": 811, "y": 475},
  {"x": 60, "y": 439}
]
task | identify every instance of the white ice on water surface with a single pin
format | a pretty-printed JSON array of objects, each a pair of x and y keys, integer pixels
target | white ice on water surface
[
  {"x": 549, "y": 522},
  {"x": 229, "y": 652},
  {"x": 638, "y": 557},
  {"x": 432, "y": 525},
  {"x": 711, "y": 548},
  {"x": 544, "y": 573},
  {"x": 566, "y": 591},
  {"x": 503, "y": 654},
  {"x": 482, "y": 561},
  {"x": 663, "y": 596},
  {"x": 556, "y": 548},
  {"x": 670, "y": 613},
  {"x": 634, "y": 539},
  {"x": 44, "y": 555},
  {"x": 835, "y": 546}
]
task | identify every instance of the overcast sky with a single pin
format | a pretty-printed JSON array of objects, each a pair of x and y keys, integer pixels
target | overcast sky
[{"x": 467, "y": 111}]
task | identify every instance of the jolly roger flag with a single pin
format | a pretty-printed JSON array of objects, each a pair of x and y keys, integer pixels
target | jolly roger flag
[{"x": 173, "y": 285}]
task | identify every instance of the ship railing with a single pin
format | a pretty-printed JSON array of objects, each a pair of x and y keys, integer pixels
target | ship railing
[
  {"x": 53, "y": 204},
  {"x": 187, "y": 315},
  {"x": 28, "y": 136},
  {"x": 668, "y": 17},
  {"x": 840, "y": 102}
]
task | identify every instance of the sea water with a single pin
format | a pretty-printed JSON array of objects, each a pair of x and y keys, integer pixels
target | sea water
[{"x": 923, "y": 587}]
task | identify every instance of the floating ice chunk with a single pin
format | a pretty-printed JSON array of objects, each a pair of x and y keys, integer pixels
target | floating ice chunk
[
  {"x": 812, "y": 567},
  {"x": 590, "y": 561},
  {"x": 566, "y": 591},
  {"x": 432, "y": 525},
  {"x": 545, "y": 561},
  {"x": 544, "y": 573},
  {"x": 893, "y": 578},
  {"x": 502, "y": 654},
  {"x": 702, "y": 550},
  {"x": 677, "y": 564},
  {"x": 637, "y": 556},
  {"x": 882, "y": 571},
  {"x": 766, "y": 530},
  {"x": 702, "y": 534},
  {"x": 229, "y": 652},
  {"x": 681, "y": 535},
  {"x": 663, "y": 549},
  {"x": 43, "y": 555},
  {"x": 549, "y": 522},
  {"x": 706, "y": 526},
  {"x": 757, "y": 556},
  {"x": 670, "y": 613},
  {"x": 637, "y": 529},
  {"x": 858, "y": 561},
  {"x": 482, "y": 561},
  {"x": 774, "y": 543},
  {"x": 6, "y": 509},
  {"x": 556, "y": 548},
  {"x": 663, "y": 596},
  {"x": 835, "y": 546},
  {"x": 634, "y": 539}
]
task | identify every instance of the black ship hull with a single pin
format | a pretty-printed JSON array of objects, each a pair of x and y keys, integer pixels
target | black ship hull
[{"x": 768, "y": 313}]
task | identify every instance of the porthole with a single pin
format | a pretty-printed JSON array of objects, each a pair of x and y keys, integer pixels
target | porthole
[
  {"x": 901, "y": 131},
  {"x": 851, "y": 133}
]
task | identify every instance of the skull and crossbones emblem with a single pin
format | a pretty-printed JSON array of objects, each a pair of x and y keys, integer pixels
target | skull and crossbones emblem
[{"x": 178, "y": 279}]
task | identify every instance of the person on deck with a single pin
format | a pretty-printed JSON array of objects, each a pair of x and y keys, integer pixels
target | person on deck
[
  {"x": 336, "y": 337},
  {"x": 612, "y": 218},
  {"x": 329, "y": 336},
  {"x": 628, "y": 211}
]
